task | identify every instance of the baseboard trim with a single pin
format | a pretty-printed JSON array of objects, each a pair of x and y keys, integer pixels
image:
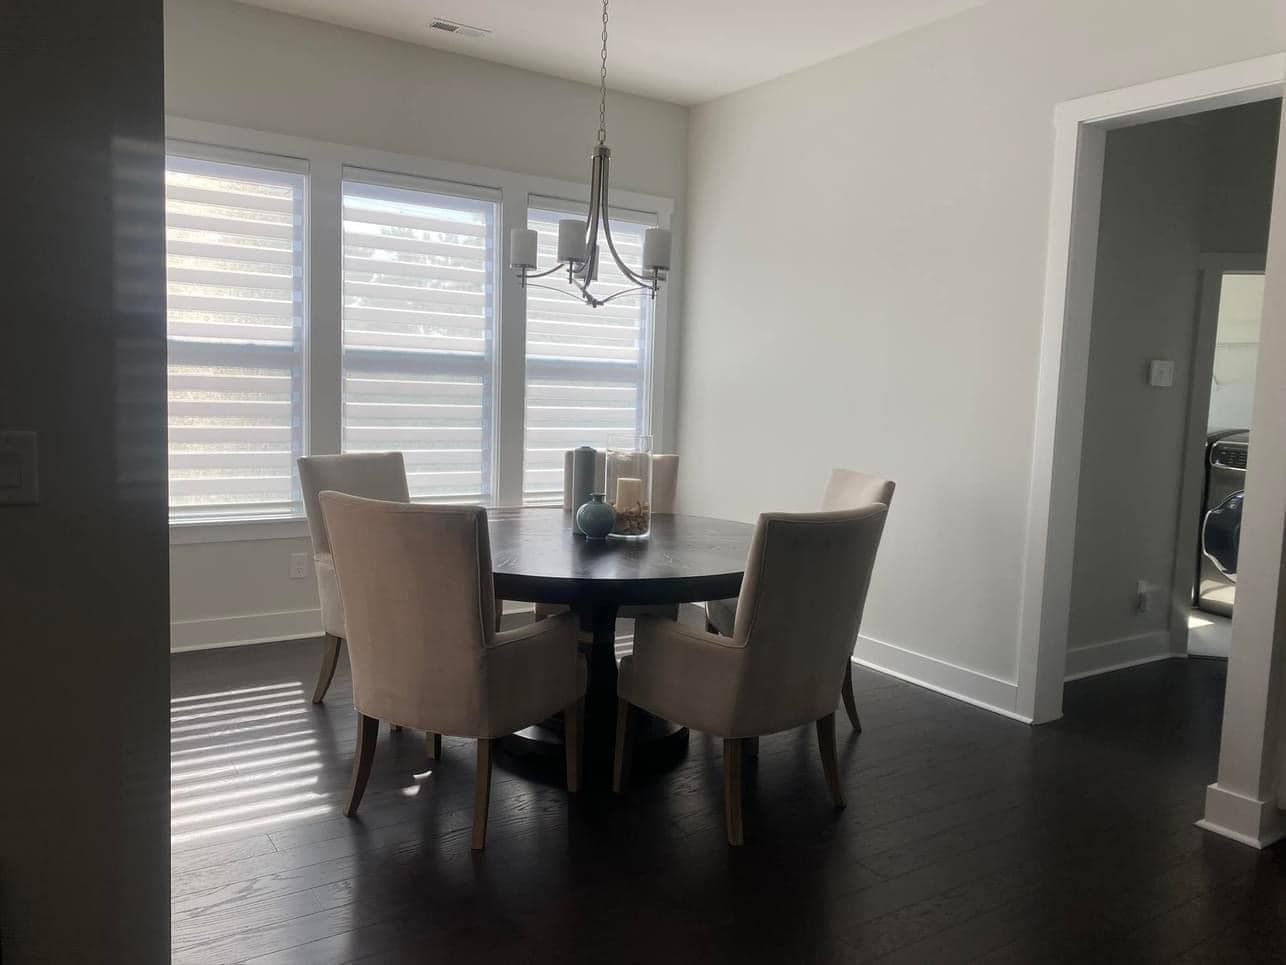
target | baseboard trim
[
  {"x": 978, "y": 689},
  {"x": 1118, "y": 654},
  {"x": 1246, "y": 820},
  {"x": 244, "y": 629}
]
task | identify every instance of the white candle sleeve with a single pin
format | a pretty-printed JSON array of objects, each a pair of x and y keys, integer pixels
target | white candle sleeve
[
  {"x": 571, "y": 240},
  {"x": 656, "y": 249},
  {"x": 522, "y": 248}
]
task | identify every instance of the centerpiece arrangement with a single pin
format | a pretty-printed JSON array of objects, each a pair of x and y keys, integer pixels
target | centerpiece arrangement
[{"x": 624, "y": 508}]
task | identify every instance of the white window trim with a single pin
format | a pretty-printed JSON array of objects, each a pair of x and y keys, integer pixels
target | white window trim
[{"x": 325, "y": 163}]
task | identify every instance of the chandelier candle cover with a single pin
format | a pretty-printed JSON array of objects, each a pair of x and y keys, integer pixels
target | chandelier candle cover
[{"x": 579, "y": 248}]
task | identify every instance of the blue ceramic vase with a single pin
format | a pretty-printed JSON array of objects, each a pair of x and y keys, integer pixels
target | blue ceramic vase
[{"x": 595, "y": 519}]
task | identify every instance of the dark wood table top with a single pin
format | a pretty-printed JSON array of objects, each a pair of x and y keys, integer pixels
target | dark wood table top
[{"x": 685, "y": 559}]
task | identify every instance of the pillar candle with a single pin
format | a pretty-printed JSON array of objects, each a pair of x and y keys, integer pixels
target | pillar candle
[{"x": 629, "y": 493}]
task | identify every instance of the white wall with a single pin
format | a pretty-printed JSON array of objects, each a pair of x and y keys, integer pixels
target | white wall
[
  {"x": 866, "y": 260},
  {"x": 246, "y": 67},
  {"x": 1171, "y": 191}
]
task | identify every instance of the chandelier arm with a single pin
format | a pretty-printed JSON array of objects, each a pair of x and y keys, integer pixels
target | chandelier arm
[
  {"x": 548, "y": 271},
  {"x": 597, "y": 183},
  {"x": 626, "y": 291},
  {"x": 558, "y": 291},
  {"x": 629, "y": 272},
  {"x": 590, "y": 298}
]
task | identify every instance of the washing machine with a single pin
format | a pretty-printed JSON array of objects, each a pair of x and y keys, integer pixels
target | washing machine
[{"x": 1227, "y": 454}]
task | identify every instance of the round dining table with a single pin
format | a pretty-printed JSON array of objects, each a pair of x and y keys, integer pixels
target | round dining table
[{"x": 537, "y": 558}]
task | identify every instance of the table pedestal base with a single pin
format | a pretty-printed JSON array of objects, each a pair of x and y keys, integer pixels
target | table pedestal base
[{"x": 657, "y": 743}]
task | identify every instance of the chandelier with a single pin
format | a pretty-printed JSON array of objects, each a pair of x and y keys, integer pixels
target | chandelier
[{"x": 578, "y": 241}]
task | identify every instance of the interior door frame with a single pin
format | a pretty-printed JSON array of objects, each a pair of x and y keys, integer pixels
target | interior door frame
[
  {"x": 1080, "y": 135},
  {"x": 1212, "y": 268}
]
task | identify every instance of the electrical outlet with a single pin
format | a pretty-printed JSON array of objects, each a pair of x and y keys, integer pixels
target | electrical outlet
[
  {"x": 298, "y": 566},
  {"x": 1142, "y": 597}
]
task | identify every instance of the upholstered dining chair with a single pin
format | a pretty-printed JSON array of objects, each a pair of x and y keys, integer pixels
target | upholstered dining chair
[
  {"x": 375, "y": 475},
  {"x": 846, "y": 489},
  {"x": 419, "y": 599},
  {"x": 798, "y": 613}
]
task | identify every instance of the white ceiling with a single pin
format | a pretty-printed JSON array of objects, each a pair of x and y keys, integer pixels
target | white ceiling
[{"x": 686, "y": 51}]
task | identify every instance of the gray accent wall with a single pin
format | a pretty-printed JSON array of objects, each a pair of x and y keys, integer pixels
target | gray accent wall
[{"x": 84, "y": 609}]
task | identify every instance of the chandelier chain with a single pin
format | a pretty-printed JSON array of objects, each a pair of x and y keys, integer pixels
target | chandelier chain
[{"x": 602, "y": 85}]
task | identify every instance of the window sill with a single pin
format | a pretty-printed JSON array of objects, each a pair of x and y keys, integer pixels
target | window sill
[{"x": 191, "y": 532}]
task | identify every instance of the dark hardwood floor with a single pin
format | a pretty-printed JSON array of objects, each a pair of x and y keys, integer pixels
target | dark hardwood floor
[{"x": 967, "y": 837}]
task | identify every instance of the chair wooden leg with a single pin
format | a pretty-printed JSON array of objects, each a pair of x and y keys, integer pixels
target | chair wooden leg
[
  {"x": 433, "y": 746},
  {"x": 368, "y": 732},
  {"x": 732, "y": 752},
  {"x": 850, "y": 705},
  {"x": 574, "y": 743},
  {"x": 330, "y": 660},
  {"x": 624, "y": 745},
  {"x": 830, "y": 763},
  {"x": 482, "y": 794}
]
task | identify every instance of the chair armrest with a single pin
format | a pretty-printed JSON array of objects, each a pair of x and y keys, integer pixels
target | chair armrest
[
  {"x": 685, "y": 675},
  {"x": 532, "y": 672},
  {"x": 554, "y": 627},
  {"x": 649, "y": 629}
]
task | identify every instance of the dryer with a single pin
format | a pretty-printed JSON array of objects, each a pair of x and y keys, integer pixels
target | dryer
[{"x": 1227, "y": 454}]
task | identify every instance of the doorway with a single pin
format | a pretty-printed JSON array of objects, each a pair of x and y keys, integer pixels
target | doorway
[
  {"x": 1171, "y": 189},
  {"x": 1222, "y": 403},
  {"x": 1242, "y": 803},
  {"x": 1082, "y": 128}
]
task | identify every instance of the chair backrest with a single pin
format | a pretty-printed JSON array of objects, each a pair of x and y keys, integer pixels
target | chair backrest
[
  {"x": 849, "y": 489},
  {"x": 665, "y": 481},
  {"x": 665, "y": 478},
  {"x": 375, "y": 475},
  {"x": 800, "y": 608},
  {"x": 416, "y": 584}
]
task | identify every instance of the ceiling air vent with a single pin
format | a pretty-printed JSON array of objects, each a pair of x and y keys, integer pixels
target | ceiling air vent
[{"x": 459, "y": 29}]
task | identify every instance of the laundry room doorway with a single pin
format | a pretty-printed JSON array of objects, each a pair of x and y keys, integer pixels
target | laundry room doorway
[
  {"x": 1182, "y": 235},
  {"x": 1226, "y": 355}
]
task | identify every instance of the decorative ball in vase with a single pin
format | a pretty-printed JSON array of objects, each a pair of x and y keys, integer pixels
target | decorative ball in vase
[{"x": 595, "y": 519}]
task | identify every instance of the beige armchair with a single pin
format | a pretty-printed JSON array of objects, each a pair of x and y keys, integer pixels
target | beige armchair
[
  {"x": 799, "y": 610},
  {"x": 375, "y": 475},
  {"x": 846, "y": 489},
  {"x": 417, "y": 588}
]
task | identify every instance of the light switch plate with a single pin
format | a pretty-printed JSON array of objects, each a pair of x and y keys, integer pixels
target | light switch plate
[
  {"x": 1161, "y": 373},
  {"x": 19, "y": 480}
]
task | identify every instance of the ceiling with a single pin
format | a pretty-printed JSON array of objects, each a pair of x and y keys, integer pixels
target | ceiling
[{"x": 685, "y": 51}]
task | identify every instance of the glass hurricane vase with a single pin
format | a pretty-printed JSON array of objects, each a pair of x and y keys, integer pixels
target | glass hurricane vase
[{"x": 629, "y": 484}]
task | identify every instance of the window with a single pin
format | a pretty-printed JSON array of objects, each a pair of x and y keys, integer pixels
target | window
[
  {"x": 588, "y": 369},
  {"x": 236, "y": 318},
  {"x": 419, "y": 316}
]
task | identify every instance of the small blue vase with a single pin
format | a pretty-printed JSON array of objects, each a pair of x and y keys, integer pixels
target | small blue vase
[{"x": 595, "y": 519}]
